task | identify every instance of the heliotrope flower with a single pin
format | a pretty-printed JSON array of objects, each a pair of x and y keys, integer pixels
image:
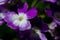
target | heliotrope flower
[
  {"x": 2, "y": 2},
  {"x": 20, "y": 21}
]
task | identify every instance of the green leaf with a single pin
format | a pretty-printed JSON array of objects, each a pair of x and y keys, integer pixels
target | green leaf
[{"x": 41, "y": 6}]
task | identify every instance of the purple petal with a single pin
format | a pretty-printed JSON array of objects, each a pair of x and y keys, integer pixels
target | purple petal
[
  {"x": 8, "y": 16},
  {"x": 3, "y": 8},
  {"x": 44, "y": 27},
  {"x": 57, "y": 22},
  {"x": 12, "y": 26},
  {"x": 27, "y": 27},
  {"x": 52, "y": 26},
  {"x": 1, "y": 22},
  {"x": 32, "y": 13},
  {"x": 48, "y": 12},
  {"x": 2, "y": 2},
  {"x": 57, "y": 16},
  {"x": 43, "y": 37},
  {"x": 53, "y": 1},
  {"x": 2, "y": 16},
  {"x": 23, "y": 9}
]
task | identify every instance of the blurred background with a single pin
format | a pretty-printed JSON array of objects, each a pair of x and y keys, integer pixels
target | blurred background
[{"x": 41, "y": 21}]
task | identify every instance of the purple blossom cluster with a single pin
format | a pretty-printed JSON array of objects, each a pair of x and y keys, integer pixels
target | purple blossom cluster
[{"x": 19, "y": 18}]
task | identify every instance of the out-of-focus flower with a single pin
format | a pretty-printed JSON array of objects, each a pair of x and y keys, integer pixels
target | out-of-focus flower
[
  {"x": 44, "y": 27},
  {"x": 57, "y": 22},
  {"x": 41, "y": 35},
  {"x": 53, "y": 1},
  {"x": 38, "y": 23},
  {"x": 1, "y": 18},
  {"x": 49, "y": 13},
  {"x": 55, "y": 16},
  {"x": 20, "y": 20},
  {"x": 1, "y": 22},
  {"x": 2, "y": 2},
  {"x": 3, "y": 10},
  {"x": 52, "y": 25}
]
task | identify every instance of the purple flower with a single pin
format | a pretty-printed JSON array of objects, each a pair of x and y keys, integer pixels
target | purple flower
[
  {"x": 44, "y": 27},
  {"x": 53, "y": 1},
  {"x": 55, "y": 16},
  {"x": 20, "y": 20},
  {"x": 2, "y": 2},
  {"x": 41, "y": 35},
  {"x": 52, "y": 25},
  {"x": 3, "y": 10},
  {"x": 49, "y": 13}
]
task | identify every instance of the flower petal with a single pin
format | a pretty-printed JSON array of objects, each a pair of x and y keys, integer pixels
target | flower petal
[
  {"x": 23, "y": 9},
  {"x": 10, "y": 16},
  {"x": 27, "y": 27},
  {"x": 44, "y": 27},
  {"x": 52, "y": 26},
  {"x": 48, "y": 12},
  {"x": 1, "y": 22},
  {"x": 53, "y": 1},
  {"x": 2, "y": 2},
  {"x": 12, "y": 26},
  {"x": 32, "y": 13},
  {"x": 57, "y": 22},
  {"x": 2, "y": 16},
  {"x": 41, "y": 35}
]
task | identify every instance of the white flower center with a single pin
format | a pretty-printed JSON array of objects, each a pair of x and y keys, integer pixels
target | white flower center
[
  {"x": 21, "y": 21},
  {"x": 22, "y": 16}
]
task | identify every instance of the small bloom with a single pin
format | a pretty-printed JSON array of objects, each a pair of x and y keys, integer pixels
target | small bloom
[
  {"x": 20, "y": 20},
  {"x": 55, "y": 16}
]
